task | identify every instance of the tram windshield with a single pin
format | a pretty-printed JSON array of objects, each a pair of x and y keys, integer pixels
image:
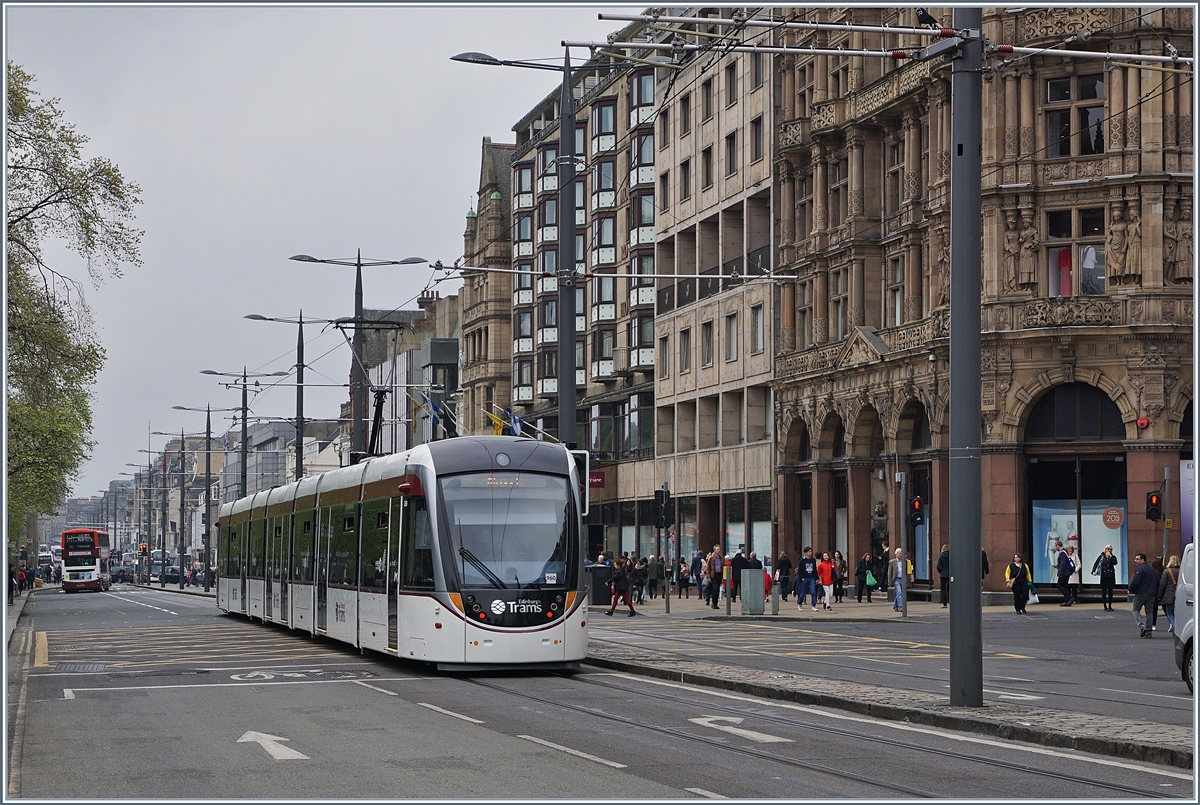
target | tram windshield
[{"x": 510, "y": 529}]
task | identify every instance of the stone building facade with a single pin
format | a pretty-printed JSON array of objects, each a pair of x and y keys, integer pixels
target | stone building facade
[{"x": 1087, "y": 378}]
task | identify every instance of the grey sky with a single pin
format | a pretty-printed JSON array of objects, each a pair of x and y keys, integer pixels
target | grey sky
[{"x": 257, "y": 133}]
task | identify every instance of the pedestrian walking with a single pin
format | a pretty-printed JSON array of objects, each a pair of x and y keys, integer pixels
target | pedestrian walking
[
  {"x": 861, "y": 574},
  {"x": 1076, "y": 579},
  {"x": 1018, "y": 578},
  {"x": 1065, "y": 569},
  {"x": 783, "y": 574},
  {"x": 825, "y": 573},
  {"x": 619, "y": 584},
  {"x": 12, "y": 584},
  {"x": 898, "y": 570},
  {"x": 986, "y": 569},
  {"x": 881, "y": 561},
  {"x": 1144, "y": 589},
  {"x": 21, "y": 580},
  {"x": 806, "y": 579},
  {"x": 943, "y": 570},
  {"x": 684, "y": 575},
  {"x": 1166, "y": 590},
  {"x": 1157, "y": 566},
  {"x": 641, "y": 576},
  {"x": 656, "y": 573},
  {"x": 714, "y": 566},
  {"x": 841, "y": 573},
  {"x": 698, "y": 577},
  {"x": 1105, "y": 567}
]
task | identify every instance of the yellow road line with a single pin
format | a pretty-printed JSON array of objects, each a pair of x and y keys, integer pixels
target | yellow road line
[{"x": 41, "y": 651}]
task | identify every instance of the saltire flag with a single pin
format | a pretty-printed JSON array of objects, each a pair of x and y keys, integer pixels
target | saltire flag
[
  {"x": 433, "y": 411},
  {"x": 497, "y": 423},
  {"x": 515, "y": 423}
]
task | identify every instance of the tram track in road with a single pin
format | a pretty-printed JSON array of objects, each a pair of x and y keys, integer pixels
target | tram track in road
[
  {"x": 712, "y": 742},
  {"x": 811, "y": 660},
  {"x": 875, "y": 739}
]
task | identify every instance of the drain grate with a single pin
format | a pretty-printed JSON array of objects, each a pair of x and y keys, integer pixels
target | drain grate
[
  {"x": 80, "y": 667},
  {"x": 75, "y": 648}
]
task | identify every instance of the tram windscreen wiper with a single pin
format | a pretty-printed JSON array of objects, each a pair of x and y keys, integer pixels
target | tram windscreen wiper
[{"x": 496, "y": 581}]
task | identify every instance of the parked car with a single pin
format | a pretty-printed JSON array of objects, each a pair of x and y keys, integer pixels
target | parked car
[
  {"x": 171, "y": 576},
  {"x": 122, "y": 572},
  {"x": 1185, "y": 612}
]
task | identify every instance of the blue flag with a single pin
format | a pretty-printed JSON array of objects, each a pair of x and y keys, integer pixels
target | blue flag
[{"x": 432, "y": 408}]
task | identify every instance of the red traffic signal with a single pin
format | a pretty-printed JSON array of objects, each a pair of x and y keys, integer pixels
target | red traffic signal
[
  {"x": 1153, "y": 506},
  {"x": 916, "y": 509}
]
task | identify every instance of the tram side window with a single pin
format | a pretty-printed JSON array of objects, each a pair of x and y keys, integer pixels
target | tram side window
[
  {"x": 343, "y": 549},
  {"x": 417, "y": 570},
  {"x": 374, "y": 546},
  {"x": 258, "y": 537},
  {"x": 302, "y": 564}
]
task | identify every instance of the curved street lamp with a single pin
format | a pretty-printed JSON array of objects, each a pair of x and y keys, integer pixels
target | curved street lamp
[
  {"x": 358, "y": 373},
  {"x": 208, "y": 409}
]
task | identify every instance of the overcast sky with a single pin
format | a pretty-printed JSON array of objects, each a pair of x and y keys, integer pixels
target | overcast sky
[{"x": 257, "y": 133}]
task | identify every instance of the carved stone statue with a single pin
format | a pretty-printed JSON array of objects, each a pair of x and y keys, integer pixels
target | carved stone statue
[
  {"x": 1170, "y": 242},
  {"x": 1133, "y": 246},
  {"x": 1012, "y": 250},
  {"x": 1183, "y": 252},
  {"x": 1027, "y": 268},
  {"x": 943, "y": 268},
  {"x": 1117, "y": 248}
]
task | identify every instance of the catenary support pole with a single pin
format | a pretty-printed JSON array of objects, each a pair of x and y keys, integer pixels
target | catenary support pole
[
  {"x": 966, "y": 139},
  {"x": 566, "y": 258}
]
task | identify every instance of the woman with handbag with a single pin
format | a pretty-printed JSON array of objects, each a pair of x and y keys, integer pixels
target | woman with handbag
[
  {"x": 866, "y": 579},
  {"x": 685, "y": 580},
  {"x": 1166, "y": 590},
  {"x": 840, "y": 576},
  {"x": 1018, "y": 577}
]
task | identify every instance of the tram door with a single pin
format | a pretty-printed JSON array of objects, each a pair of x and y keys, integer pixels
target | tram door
[
  {"x": 271, "y": 540},
  {"x": 243, "y": 540},
  {"x": 395, "y": 516},
  {"x": 322, "y": 566},
  {"x": 283, "y": 564}
]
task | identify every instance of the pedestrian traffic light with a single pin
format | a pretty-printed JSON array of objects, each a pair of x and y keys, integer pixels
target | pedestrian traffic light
[
  {"x": 664, "y": 514},
  {"x": 916, "y": 508},
  {"x": 1153, "y": 506}
]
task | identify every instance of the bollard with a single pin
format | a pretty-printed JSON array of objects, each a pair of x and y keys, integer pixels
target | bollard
[
  {"x": 775, "y": 599},
  {"x": 727, "y": 582}
]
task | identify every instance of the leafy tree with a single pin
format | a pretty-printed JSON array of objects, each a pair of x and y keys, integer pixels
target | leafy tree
[{"x": 53, "y": 357}]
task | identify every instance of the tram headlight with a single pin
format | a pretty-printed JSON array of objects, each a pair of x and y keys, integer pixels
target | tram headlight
[
  {"x": 475, "y": 607},
  {"x": 554, "y": 607}
]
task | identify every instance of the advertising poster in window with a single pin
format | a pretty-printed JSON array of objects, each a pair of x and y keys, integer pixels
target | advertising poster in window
[
  {"x": 1187, "y": 500},
  {"x": 1056, "y": 523}
]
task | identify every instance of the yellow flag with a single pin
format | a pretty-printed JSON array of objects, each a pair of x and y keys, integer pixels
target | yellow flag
[{"x": 497, "y": 424}]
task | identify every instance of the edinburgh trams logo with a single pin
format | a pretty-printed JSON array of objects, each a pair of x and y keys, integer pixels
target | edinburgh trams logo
[{"x": 497, "y": 607}]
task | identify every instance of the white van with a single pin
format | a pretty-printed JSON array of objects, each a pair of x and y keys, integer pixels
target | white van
[{"x": 1185, "y": 611}]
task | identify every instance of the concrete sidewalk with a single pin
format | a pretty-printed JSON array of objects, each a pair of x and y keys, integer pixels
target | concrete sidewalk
[
  {"x": 13, "y": 613},
  {"x": 1106, "y": 735}
]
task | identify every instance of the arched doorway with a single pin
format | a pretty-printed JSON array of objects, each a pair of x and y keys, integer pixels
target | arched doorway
[
  {"x": 1075, "y": 477},
  {"x": 913, "y": 443}
]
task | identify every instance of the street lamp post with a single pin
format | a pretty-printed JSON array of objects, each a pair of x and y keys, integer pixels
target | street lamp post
[
  {"x": 358, "y": 372},
  {"x": 566, "y": 235},
  {"x": 245, "y": 376},
  {"x": 180, "y": 540},
  {"x": 207, "y": 482}
]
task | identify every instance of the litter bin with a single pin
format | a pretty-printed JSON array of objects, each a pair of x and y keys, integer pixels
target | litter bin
[
  {"x": 753, "y": 585},
  {"x": 598, "y": 576}
]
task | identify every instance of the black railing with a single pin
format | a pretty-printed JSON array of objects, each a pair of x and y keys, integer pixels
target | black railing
[
  {"x": 685, "y": 292},
  {"x": 666, "y": 299},
  {"x": 710, "y": 282}
]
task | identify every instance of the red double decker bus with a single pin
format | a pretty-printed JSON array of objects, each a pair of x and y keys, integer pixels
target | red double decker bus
[{"x": 85, "y": 560}]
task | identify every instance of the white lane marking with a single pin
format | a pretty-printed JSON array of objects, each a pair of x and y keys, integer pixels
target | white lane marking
[
  {"x": 574, "y": 752},
  {"x": 139, "y": 603},
  {"x": 704, "y": 793},
  {"x": 760, "y": 737},
  {"x": 372, "y": 687},
  {"x": 450, "y": 713},
  {"x": 221, "y": 685},
  {"x": 1140, "y": 693},
  {"x": 272, "y": 744},
  {"x": 1020, "y": 697},
  {"x": 68, "y": 693},
  {"x": 872, "y": 659},
  {"x": 1009, "y": 678},
  {"x": 896, "y": 725}
]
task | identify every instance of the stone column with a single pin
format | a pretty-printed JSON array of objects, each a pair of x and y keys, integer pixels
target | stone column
[
  {"x": 913, "y": 309},
  {"x": 1003, "y": 511},
  {"x": 787, "y": 316},
  {"x": 821, "y": 305},
  {"x": 1133, "y": 120},
  {"x": 1027, "y": 142},
  {"x": 787, "y": 212},
  {"x": 858, "y": 512},
  {"x": 787, "y": 69},
  {"x": 1012, "y": 125},
  {"x": 912, "y": 154},
  {"x": 820, "y": 192},
  {"x": 822, "y": 508},
  {"x": 857, "y": 178},
  {"x": 857, "y": 293}
]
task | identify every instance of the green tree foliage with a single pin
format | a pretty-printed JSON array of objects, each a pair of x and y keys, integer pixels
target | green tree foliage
[{"x": 54, "y": 194}]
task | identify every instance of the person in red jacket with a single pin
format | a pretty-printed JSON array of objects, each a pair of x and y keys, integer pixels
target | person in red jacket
[{"x": 825, "y": 571}]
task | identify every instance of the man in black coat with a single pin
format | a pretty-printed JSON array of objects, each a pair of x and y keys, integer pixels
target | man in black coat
[
  {"x": 943, "y": 570},
  {"x": 1144, "y": 589},
  {"x": 1065, "y": 569},
  {"x": 738, "y": 565},
  {"x": 783, "y": 569}
]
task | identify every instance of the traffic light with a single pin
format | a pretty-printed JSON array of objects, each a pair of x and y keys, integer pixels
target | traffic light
[
  {"x": 142, "y": 550},
  {"x": 664, "y": 514},
  {"x": 916, "y": 508},
  {"x": 1153, "y": 506}
]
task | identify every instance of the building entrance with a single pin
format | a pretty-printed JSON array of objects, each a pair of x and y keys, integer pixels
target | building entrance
[{"x": 1080, "y": 501}]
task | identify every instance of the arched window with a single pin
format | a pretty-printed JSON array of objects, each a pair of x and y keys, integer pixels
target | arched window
[{"x": 1075, "y": 412}]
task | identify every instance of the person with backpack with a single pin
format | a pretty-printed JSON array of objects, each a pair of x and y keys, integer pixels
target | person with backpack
[
  {"x": 1167, "y": 584},
  {"x": 783, "y": 574},
  {"x": 684, "y": 574}
]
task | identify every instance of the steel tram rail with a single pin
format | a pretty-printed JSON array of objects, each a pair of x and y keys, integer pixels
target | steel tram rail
[
  {"x": 813, "y": 661},
  {"x": 822, "y": 727}
]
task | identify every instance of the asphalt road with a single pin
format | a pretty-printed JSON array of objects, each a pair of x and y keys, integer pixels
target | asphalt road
[
  {"x": 194, "y": 704},
  {"x": 1079, "y": 659}
]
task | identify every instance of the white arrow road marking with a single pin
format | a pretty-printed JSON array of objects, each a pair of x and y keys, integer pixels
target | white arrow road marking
[
  {"x": 574, "y": 752},
  {"x": 272, "y": 745},
  {"x": 760, "y": 737},
  {"x": 704, "y": 793},
  {"x": 1020, "y": 697}
]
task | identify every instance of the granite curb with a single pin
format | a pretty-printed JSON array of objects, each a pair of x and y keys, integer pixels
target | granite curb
[{"x": 1083, "y": 732}]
